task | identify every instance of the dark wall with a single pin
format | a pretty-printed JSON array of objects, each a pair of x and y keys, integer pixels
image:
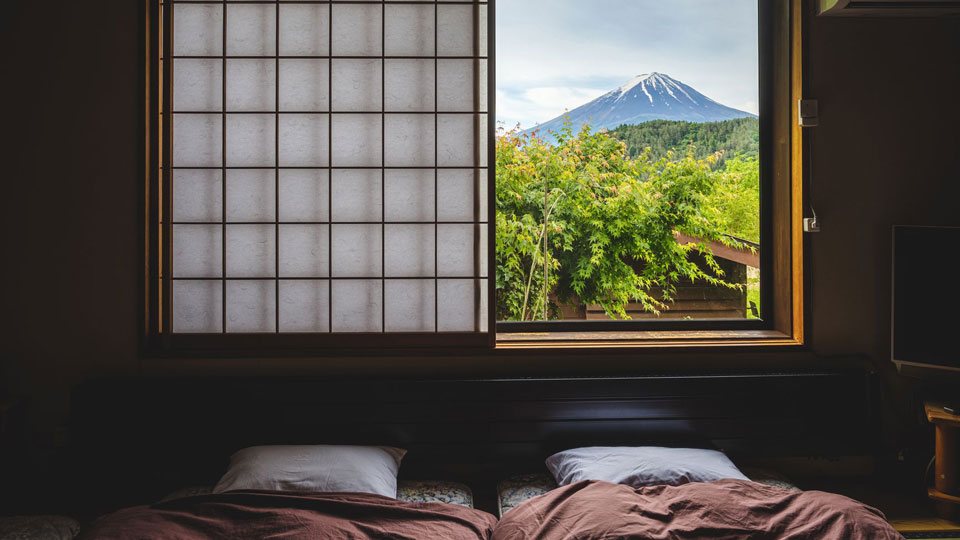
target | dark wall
[
  {"x": 69, "y": 203},
  {"x": 885, "y": 153}
]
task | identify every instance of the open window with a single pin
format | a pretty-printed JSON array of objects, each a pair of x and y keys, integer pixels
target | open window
[
  {"x": 327, "y": 174},
  {"x": 655, "y": 200}
]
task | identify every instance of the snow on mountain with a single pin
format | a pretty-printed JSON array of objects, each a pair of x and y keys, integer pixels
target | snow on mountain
[{"x": 652, "y": 96}]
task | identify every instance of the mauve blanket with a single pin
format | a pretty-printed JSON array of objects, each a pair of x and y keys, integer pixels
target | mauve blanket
[
  {"x": 727, "y": 509},
  {"x": 274, "y": 515}
]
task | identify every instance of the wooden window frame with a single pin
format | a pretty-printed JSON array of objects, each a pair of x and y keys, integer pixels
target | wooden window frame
[
  {"x": 782, "y": 299},
  {"x": 782, "y": 263}
]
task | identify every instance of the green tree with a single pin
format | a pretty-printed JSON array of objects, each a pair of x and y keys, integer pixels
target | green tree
[
  {"x": 602, "y": 224},
  {"x": 736, "y": 201}
]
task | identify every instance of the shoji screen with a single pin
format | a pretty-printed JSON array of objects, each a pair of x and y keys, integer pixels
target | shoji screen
[{"x": 326, "y": 167}]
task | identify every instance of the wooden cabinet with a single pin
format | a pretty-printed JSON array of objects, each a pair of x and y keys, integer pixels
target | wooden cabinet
[{"x": 946, "y": 480}]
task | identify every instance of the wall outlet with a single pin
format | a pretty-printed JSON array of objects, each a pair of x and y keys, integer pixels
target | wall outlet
[{"x": 811, "y": 225}]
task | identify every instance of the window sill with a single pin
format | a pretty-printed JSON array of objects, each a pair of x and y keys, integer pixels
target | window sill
[{"x": 646, "y": 339}]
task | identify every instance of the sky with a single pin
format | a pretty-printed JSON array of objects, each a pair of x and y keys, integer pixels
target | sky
[{"x": 555, "y": 55}]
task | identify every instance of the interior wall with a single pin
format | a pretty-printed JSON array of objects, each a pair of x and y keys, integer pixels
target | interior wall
[
  {"x": 884, "y": 154},
  {"x": 70, "y": 197}
]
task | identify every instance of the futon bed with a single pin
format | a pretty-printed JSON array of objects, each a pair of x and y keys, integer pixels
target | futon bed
[
  {"x": 611, "y": 493},
  {"x": 307, "y": 491},
  {"x": 728, "y": 509}
]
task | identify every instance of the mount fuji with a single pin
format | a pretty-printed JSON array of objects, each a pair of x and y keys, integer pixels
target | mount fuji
[{"x": 652, "y": 96}]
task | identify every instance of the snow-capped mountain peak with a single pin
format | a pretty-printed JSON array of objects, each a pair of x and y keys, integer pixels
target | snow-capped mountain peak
[
  {"x": 632, "y": 83},
  {"x": 650, "y": 83},
  {"x": 651, "y": 96}
]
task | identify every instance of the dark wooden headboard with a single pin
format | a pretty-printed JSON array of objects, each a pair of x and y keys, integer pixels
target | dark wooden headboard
[{"x": 146, "y": 436}]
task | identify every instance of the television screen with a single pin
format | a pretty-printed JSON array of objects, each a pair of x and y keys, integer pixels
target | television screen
[{"x": 926, "y": 296}]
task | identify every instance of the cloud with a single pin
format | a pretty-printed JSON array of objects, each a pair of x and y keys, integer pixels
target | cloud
[
  {"x": 749, "y": 106},
  {"x": 527, "y": 107}
]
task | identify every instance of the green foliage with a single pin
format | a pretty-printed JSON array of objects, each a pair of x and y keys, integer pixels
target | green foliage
[
  {"x": 730, "y": 137},
  {"x": 608, "y": 222},
  {"x": 753, "y": 296},
  {"x": 735, "y": 204},
  {"x": 736, "y": 201}
]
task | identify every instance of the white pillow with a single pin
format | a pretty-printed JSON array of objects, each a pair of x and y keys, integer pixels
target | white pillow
[
  {"x": 641, "y": 466},
  {"x": 320, "y": 468}
]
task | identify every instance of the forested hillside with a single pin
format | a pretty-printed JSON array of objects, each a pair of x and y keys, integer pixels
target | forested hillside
[{"x": 740, "y": 136}]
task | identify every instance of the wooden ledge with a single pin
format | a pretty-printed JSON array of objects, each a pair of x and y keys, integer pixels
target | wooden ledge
[
  {"x": 938, "y": 495},
  {"x": 936, "y": 415},
  {"x": 646, "y": 339}
]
